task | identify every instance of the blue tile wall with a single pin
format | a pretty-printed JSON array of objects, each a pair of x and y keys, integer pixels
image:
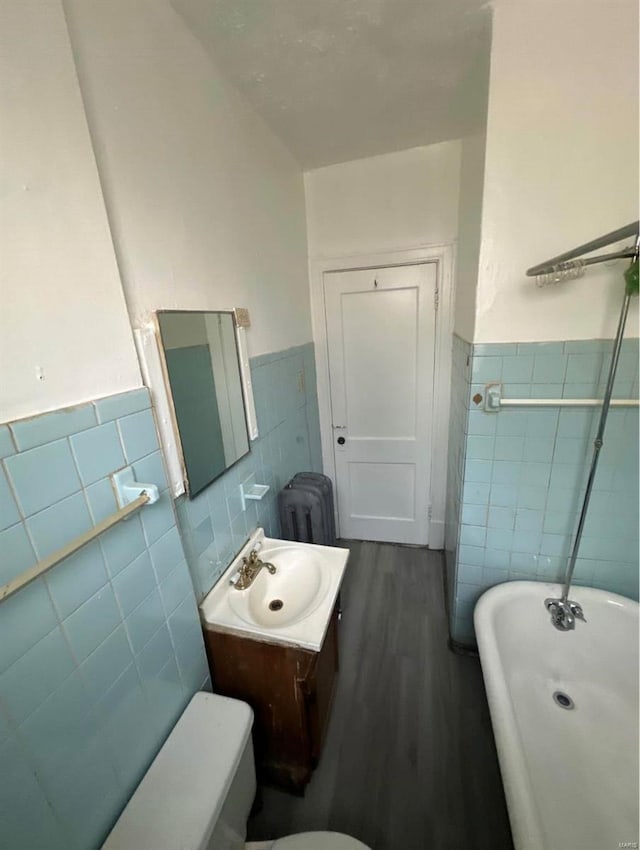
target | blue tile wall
[
  {"x": 512, "y": 510},
  {"x": 458, "y": 425},
  {"x": 99, "y": 657},
  {"x": 213, "y": 525}
]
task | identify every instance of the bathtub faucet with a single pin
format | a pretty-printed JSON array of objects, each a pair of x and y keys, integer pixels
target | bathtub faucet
[{"x": 564, "y": 613}]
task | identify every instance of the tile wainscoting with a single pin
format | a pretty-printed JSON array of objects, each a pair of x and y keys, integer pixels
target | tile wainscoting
[
  {"x": 98, "y": 657},
  {"x": 516, "y": 477},
  {"x": 214, "y": 525},
  {"x": 459, "y": 414}
]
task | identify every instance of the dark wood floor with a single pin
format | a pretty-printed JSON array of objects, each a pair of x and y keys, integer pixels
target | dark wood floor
[{"x": 409, "y": 762}]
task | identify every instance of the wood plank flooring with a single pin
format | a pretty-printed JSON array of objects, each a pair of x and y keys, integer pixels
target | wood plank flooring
[{"x": 409, "y": 761}]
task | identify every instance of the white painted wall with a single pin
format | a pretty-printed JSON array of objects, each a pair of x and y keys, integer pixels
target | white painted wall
[
  {"x": 384, "y": 203},
  {"x": 392, "y": 205},
  {"x": 561, "y": 163},
  {"x": 206, "y": 205},
  {"x": 469, "y": 233},
  {"x": 62, "y": 312}
]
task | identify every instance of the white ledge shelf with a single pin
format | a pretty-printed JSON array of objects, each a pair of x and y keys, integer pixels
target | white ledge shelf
[{"x": 253, "y": 493}]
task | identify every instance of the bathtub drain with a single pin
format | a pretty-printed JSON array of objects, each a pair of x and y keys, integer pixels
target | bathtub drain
[
  {"x": 563, "y": 700},
  {"x": 276, "y": 604}
]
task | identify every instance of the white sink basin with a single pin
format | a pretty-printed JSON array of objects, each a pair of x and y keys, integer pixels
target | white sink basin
[
  {"x": 296, "y": 589},
  {"x": 293, "y": 606}
]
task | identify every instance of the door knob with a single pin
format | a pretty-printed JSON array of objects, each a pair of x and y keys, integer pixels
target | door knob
[{"x": 341, "y": 441}]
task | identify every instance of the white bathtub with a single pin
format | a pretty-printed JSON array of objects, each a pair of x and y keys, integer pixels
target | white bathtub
[{"x": 570, "y": 776}]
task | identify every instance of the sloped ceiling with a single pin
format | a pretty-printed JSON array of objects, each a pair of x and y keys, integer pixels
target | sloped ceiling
[{"x": 342, "y": 79}]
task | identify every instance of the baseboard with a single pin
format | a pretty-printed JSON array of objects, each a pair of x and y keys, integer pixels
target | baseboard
[
  {"x": 462, "y": 648},
  {"x": 436, "y": 534}
]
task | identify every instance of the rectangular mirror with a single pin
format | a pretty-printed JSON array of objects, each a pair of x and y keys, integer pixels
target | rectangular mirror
[{"x": 203, "y": 372}]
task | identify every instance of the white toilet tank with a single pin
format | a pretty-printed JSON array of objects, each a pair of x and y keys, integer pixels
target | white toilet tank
[{"x": 199, "y": 790}]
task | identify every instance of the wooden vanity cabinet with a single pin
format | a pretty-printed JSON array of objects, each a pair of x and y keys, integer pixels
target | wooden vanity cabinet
[{"x": 290, "y": 691}]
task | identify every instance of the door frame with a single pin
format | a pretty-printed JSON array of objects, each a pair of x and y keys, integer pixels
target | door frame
[{"x": 443, "y": 257}]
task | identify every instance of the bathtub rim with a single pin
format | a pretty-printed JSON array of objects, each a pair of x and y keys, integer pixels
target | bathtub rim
[{"x": 524, "y": 815}]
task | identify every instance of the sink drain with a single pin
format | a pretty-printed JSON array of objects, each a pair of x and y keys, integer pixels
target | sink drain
[
  {"x": 563, "y": 700},
  {"x": 276, "y": 604}
]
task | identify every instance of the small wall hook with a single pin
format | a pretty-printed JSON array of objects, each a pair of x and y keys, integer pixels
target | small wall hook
[{"x": 375, "y": 283}]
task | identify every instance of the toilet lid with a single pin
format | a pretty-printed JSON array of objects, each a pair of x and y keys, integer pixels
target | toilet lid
[{"x": 319, "y": 841}]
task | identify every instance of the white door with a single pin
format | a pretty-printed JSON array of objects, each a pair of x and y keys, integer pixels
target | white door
[{"x": 381, "y": 339}]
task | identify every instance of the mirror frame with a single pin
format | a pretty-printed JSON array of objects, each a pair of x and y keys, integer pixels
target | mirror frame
[{"x": 169, "y": 394}]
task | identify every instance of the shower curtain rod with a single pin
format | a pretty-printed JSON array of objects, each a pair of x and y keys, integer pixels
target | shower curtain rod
[{"x": 608, "y": 239}]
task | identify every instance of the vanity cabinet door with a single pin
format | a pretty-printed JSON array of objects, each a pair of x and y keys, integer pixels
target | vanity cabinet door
[
  {"x": 290, "y": 691},
  {"x": 319, "y": 688},
  {"x": 270, "y": 677}
]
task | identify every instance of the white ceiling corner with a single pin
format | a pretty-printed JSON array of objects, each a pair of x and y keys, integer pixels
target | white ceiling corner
[{"x": 342, "y": 79}]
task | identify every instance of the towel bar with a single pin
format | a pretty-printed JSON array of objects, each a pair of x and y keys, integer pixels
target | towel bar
[
  {"x": 68, "y": 549},
  {"x": 494, "y": 401}
]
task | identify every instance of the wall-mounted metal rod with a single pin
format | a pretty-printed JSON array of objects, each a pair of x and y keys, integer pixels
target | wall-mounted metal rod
[
  {"x": 567, "y": 402},
  {"x": 587, "y": 247},
  {"x": 602, "y": 258},
  {"x": 494, "y": 401},
  {"x": 597, "y": 445},
  {"x": 68, "y": 549}
]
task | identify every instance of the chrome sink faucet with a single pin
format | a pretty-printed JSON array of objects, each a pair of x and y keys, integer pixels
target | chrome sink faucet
[
  {"x": 249, "y": 570},
  {"x": 564, "y": 613}
]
